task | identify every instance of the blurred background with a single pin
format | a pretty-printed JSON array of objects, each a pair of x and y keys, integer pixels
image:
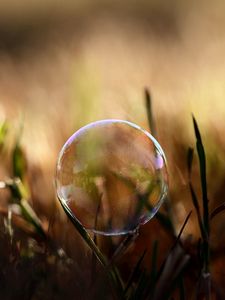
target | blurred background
[{"x": 64, "y": 64}]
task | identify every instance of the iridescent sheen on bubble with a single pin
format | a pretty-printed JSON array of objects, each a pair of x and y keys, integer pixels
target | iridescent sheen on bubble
[{"x": 111, "y": 176}]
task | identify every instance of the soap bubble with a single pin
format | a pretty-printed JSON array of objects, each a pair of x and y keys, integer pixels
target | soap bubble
[{"x": 111, "y": 176}]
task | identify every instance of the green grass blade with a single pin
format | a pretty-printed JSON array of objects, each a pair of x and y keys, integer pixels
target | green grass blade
[
  {"x": 190, "y": 155},
  {"x": 29, "y": 215},
  {"x": 3, "y": 133},
  {"x": 205, "y": 276},
  {"x": 152, "y": 127},
  {"x": 18, "y": 162},
  {"x": 19, "y": 195},
  {"x": 202, "y": 165},
  {"x": 16, "y": 188},
  {"x": 148, "y": 104},
  {"x": 197, "y": 209}
]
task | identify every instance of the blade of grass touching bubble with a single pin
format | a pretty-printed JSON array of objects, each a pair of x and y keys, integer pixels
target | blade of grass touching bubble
[
  {"x": 93, "y": 259},
  {"x": 111, "y": 271},
  {"x": 124, "y": 244}
]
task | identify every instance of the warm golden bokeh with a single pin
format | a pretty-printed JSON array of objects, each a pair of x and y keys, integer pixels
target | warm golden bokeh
[{"x": 65, "y": 64}]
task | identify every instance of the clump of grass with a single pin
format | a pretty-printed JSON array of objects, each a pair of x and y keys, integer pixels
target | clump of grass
[{"x": 35, "y": 266}]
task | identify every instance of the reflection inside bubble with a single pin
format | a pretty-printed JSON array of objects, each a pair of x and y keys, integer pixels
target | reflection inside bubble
[{"x": 112, "y": 176}]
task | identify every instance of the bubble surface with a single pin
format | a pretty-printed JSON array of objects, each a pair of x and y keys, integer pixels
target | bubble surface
[{"x": 111, "y": 176}]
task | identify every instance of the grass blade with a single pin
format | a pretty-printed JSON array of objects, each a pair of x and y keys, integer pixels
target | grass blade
[
  {"x": 205, "y": 276},
  {"x": 197, "y": 209},
  {"x": 176, "y": 242},
  {"x": 93, "y": 259},
  {"x": 29, "y": 215},
  {"x": 111, "y": 271},
  {"x": 202, "y": 165},
  {"x": 217, "y": 210},
  {"x": 171, "y": 273},
  {"x": 19, "y": 194},
  {"x": 141, "y": 286},
  {"x": 3, "y": 133},
  {"x": 190, "y": 155},
  {"x": 124, "y": 245},
  {"x": 148, "y": 104},
  {"x": 19, "y": 162},
  {"x": 152, "y": 127},
  {"x": 135, "y": 272},
  {"x": 183, "y": 226}
]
